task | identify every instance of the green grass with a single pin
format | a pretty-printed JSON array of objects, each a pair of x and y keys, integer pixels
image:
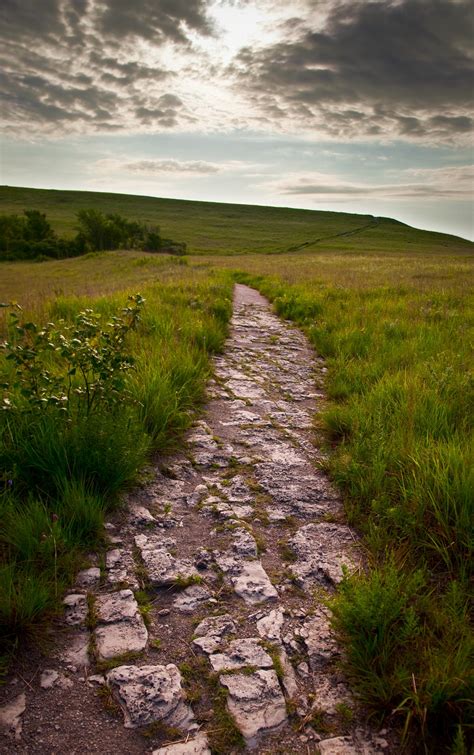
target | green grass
[
  {"x": 59, "y": 478},
  {"x": 398, "y": 424},
  {"x": 390, "y": 310},
  {"x": 213, "y": 228}
]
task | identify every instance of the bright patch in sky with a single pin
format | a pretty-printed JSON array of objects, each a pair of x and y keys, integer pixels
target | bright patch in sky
[{"x": 363, "y": 107}]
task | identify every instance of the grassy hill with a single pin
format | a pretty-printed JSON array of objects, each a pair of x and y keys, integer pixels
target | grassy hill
[{"x": 216, "y": 228}]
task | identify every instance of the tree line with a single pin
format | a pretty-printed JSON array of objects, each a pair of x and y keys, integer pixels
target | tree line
[{"x": 31, "y": 236}]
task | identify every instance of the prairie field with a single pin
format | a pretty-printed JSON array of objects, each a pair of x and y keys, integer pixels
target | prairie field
[{"x": 389, "y": 308}]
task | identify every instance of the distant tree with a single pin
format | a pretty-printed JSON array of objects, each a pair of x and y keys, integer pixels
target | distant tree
[
  {"x": 152, "y": 241},
  {"x": 37, "y": 228},
  {"x": 12, "y": 227}
]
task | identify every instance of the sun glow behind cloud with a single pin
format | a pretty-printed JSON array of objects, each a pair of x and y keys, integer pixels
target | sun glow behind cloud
[{"x": 331, "y": 99}]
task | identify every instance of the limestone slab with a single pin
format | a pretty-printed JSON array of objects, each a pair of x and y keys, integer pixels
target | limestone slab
[
  {"x": 253, "y": 585},
  {"x": 128, "y": 636},
  {"x": 163, "y": 568},
  {"x": 75, "y": 609},
  {"x": 192, "y": 598},
  {"x": 241, "y": 653},
  {"x": 148, "y": 694},
  {"x": 11, "y": 713},
  {"x": 322, "y": 550},
  {"x": 256, "y": 702},
  {"x": 197, "y": 745},
  {"x": 270, "y": 626}
]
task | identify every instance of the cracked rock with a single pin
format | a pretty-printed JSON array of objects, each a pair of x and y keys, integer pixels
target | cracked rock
[
  {"x": 162, "y": 567},
  {"x": 198, "y": 745},
  {"x": 148, "y": 694},
  {"x": 270, "y": 626},
  {"x": 322, "y": 550},
  {"x": 256, "y": 702},
  {"x": 191, "y": 598},
  {"x": 11, "y": 713},
  {"x": 75, "y": 607},
  {"x": 253, "y": 584},
  {"x": 121, "y": 627},
  {"x": 239, "y": 654}
]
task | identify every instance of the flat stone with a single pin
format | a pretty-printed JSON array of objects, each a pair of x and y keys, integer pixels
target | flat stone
[
  {"x": 303, "y": 669},
  {"x": 120, "y": 568},
  {"x": 256, "y": 702},
  {"x": 198, "y": 493},
  {"x": 121, "y": 627},
  {"x": 148, "y": 694},
  {"x": 76, "y": 655},
  {"x": 11, "y": 713},
  {"x": 219, "y": 508},
  {"x": 270, "y": 626},
  {"x": 209, "y": 633},
  {"x": 322, "y": 550},
  {"x": 197, "y": 745},
  {"x": 253, "y": 584},
  {"x": 128, "y": 636},
  {"x": 320, "y": 643},
  {"x": 215, "y": 626},
  {"x": 191, "y": 598},
  {"x": 89, "y": 578},
  {"x": 289, "y": 677},
  {"x": 75, "y": 609},
  {"x": 241, "y": 653},
  {"x": 162, "y": 567},
  {"x": 96, "y": 679},
  {"x": 48, "y": 678},
  {"x": 208, "y": 645},
  {"x": 339, "y": 746},
  {"x": 116, "y": 606},
  {"x": 140, "y": 515},
  {"x": 244, "y": 544},
  {"x": 330, "y": 692},
  {"x": 304, "y": 493},
  {"x": 203, "y": 559}
]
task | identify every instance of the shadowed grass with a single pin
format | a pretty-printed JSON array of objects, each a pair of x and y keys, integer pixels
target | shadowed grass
[
  {"x": 60, "y": 476},
  {"x": 399, "y": 425}
]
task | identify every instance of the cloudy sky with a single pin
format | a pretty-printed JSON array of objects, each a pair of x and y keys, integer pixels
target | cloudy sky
[{"x": 350, "y": 105}]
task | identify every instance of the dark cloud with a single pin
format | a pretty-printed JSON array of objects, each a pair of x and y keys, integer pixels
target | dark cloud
[
  {"x": 153, "y": 20},
  {"x": 73, "y": 64},
  {"x": 393, "y": 67}
]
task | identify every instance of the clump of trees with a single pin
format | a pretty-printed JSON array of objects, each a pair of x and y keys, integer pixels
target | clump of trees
[{"x": 30, "y": 236}]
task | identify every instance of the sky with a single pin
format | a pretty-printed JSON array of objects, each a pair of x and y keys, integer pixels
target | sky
[{"x": 346, "y": 105}]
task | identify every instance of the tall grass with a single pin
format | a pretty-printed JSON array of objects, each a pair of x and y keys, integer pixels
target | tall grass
[
  {"x": 60, "y": 476},
  {"x": 398, "y": 423}
]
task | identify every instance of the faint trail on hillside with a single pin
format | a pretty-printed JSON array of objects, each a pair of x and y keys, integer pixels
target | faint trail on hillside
[
  {"x": 298, "y": 247},
  {"x": 235, "y": 540}
]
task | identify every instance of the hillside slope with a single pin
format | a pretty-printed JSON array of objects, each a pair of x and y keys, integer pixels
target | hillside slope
[{"x": 216, "y": 228}]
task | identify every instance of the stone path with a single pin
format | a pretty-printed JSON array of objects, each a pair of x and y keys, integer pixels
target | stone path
[{"x": 204, "y": 622}]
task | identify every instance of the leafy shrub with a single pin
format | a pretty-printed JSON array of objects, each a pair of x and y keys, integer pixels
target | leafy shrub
[
  {"x": 69, "y": 445},
  {"x": 88, "y": 366}
]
